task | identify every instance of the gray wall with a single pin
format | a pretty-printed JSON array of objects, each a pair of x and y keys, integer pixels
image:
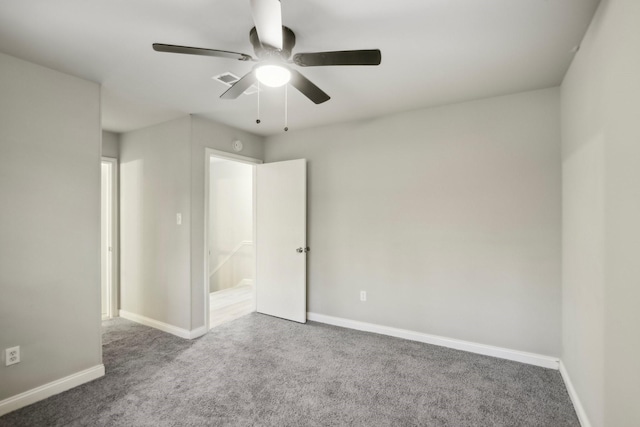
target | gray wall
[
  {"x": 110, "y": 144},
  {"x": 448, "y": 217},
  {"x": 155, "y": 185},
  {"x": 601, "y": 214},
  {"x": 162, "y": 174},
  {"x": 49, "y": 224}
]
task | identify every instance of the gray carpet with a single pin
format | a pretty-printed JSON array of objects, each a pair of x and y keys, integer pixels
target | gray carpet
[{"x": 260, "y": 370}]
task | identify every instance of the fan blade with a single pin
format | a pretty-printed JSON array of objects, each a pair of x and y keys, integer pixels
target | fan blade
[
  {"x": 343, "y": 57},
  {"x": 240, "y": 86},
  {"x": 267, "y": 15},
  {"x": 159, "y": 47},
  {"x": 307, "y": 88}
]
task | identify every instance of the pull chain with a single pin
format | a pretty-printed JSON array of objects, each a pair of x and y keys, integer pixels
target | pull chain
[
  {"x": 286, "y": 108},
  {"x": 258, "y": 119}
]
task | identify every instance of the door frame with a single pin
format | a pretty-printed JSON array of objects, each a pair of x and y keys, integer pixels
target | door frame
[
  {"x": 209, "y": 153},
  {"x": 114, "y": 278}
]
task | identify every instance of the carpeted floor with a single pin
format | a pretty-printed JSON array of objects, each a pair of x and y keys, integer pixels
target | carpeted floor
[{"x": 264, "y": 371}]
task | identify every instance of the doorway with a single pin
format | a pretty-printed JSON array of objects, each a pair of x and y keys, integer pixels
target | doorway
[
  {"x": 108, "y": 237},
  {"x": 230, "y": 237},
  {"x": 277, "y": 248}
]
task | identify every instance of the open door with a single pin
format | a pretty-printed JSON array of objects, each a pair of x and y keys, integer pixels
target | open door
[{"x": 281, "y": 238}]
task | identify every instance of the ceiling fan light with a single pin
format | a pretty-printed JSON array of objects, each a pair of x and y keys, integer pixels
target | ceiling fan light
[{"x": 273, "y": 75}]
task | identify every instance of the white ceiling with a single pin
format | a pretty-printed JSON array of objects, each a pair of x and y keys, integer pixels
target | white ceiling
[{"x": 434, "y": 52}]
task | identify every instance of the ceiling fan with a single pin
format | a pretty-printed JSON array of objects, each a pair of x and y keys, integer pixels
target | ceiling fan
[{"x": 272, "y": 44}]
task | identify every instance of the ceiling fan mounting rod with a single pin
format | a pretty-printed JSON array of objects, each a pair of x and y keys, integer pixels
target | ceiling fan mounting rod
[{"x": 267, "y": 52}]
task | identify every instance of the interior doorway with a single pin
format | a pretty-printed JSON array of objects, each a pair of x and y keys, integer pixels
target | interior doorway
[
  {"x": 230, "y": 237},
  {"x": 108, "y": 237}
]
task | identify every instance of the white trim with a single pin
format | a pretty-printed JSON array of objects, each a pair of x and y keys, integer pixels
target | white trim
[
  {"x": 198, "y": 332},
  {"x": 115, "y": 246},
  {"x": 254, "y": 203},
  {"x": 577, "y": 405},
  {"x": 165, "y": 327},
  {"x": 210, "y": 152},
  {"x": 487, "y": 350},
  {"x": 58, "y": 386}
]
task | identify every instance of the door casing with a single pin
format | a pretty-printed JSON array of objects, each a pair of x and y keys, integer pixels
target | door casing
[
  {"x": 209, "y": 153},
  {"x": 113, "y": 223}
]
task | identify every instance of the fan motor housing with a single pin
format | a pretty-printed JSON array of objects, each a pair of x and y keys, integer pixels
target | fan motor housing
[{"x": 266, "y": 52}]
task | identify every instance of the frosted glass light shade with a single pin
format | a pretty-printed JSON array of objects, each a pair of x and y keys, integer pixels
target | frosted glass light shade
[{"x": 273, "y": 75}]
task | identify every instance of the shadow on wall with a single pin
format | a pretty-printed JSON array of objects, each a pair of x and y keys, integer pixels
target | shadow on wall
[{"x": 132, "y": 232}]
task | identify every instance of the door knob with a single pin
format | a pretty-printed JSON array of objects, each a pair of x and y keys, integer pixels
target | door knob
[{"x": 301, "y": 250}]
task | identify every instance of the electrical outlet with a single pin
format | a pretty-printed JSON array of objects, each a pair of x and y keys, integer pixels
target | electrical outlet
[
  {"x": 363, "y": 296},
  {"x": 12, "y": 355},
  {"x": 179, "y": 219}
]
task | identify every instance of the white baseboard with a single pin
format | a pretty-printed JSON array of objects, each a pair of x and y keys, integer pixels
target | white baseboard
[
  {"x": 198, "y": 332},
  {"x": 165, "y": 327},
  {"x": 58, "y": 386},
  {"x": 577, "y": 404},
  {"x": 472, "y": 347}
]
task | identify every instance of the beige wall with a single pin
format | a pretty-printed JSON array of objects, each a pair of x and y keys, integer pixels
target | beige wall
[
  {"x": 448, "y": 217},
  {"x": 49, "y": 224},
  {"x": 601, "y": 211},
  {"x": 110, "y": 144}
]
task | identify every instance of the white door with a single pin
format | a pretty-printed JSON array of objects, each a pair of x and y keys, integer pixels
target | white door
[
  {"x": 281, "y": 237},
  {"x": 105, "y": 251}
]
